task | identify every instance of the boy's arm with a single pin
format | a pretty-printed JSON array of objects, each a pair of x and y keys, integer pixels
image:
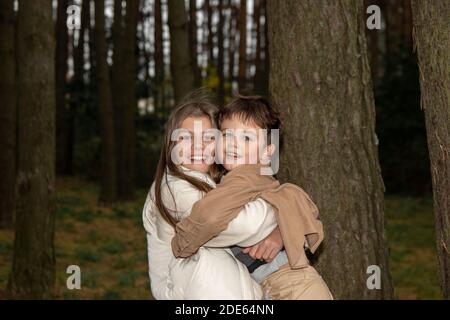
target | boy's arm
[
  {"x": 253, "y": 224},
  {"x": 210, "y": 216}
]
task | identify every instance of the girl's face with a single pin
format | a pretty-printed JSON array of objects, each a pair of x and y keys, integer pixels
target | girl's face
[{"x": 196, "y": 143}]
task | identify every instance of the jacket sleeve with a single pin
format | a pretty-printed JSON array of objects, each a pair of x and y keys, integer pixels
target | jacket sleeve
[{"x": 253, "y": 224}]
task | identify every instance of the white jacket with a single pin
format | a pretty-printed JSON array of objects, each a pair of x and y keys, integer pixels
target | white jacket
[{"x": 213, "y": 272}]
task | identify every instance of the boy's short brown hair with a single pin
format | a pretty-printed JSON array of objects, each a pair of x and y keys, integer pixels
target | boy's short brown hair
[{"x": 253, "y": 109}]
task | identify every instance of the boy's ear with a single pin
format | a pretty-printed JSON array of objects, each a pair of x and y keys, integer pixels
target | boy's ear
[{"x": 269, "y": 150}]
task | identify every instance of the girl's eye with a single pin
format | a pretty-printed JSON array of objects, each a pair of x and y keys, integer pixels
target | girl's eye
[
  {"x": 185, "y": 137},
  {"x": 209, "y": 137}
]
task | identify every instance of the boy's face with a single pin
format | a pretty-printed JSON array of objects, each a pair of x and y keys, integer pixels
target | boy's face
[{"x": 241, "y": 143}]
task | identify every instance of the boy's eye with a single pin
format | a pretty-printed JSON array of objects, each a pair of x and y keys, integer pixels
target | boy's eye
[
  {"x": 248, "y": 138},
  {"x": 209, "y": 137}
]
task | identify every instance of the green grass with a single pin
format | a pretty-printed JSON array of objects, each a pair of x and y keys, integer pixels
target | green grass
[
  {"x": 413, "y": 260},
  {"x": 109, "y": 246}
]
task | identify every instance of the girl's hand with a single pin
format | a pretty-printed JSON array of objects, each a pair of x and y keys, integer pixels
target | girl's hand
[{"x": 268, "y": 248}]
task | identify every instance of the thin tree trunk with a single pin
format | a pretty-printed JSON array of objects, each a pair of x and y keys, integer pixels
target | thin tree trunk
[
  {"x": 108, "y": 157},
  {"x": 432, "y": 41},
  {"x": 127, "y": 181},
  {"x": 8, "y": 114},
  {"x": 210, "y": 39},
  {"x": 193, "y": 42},
  {"x": 320, "y": 77},
  {"x": 220, "y": 62},
  {"x": 231, "y": 46},
  {"x": 258, "y": 83},
  {"x": 124, "y": 95},
  {"x": 159, "y": 57},
  {"x": 180, "y": 60},
  {"x": 242, "y": 74},
  {"x": 62, "y": 52},
  {"x": 33, "y": 272},
  {"x": 78, "y": 90},
  {"x": 407, "y": 24}
]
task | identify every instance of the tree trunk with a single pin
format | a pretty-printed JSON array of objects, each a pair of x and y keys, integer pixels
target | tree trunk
[
  {"x": 127, "y": 178},
  {"x": 33, "y": 272},
  {"x": 210, "y": 39},
  {"x": 108, "y": 158},
  {"x": 231, "y": 46},
  {"x": 432, "y": 41},
  {"x": 124, "y": 94},
  {"x": 220, "y": 61},
  {"x": 320, "y": 77},
  {"x": 8, "y": 115},
  {"x": 180, "y": 60},
  {"x": 193, "y": 42},
  {"x": 159, "y": 57},
  {"x": 62, "y": 117},
  {"x": 242, "y": 73},
  {"x": 258, "y": 81}
]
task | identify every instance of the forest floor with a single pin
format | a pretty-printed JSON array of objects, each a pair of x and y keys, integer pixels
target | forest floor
[{"x": 109, "y": 245}]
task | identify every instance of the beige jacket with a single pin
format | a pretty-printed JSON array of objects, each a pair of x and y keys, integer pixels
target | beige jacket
[{"x": 296, "y": 214}]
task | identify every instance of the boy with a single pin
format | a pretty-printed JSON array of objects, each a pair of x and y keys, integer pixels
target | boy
[{"x": 245, "y": 153}]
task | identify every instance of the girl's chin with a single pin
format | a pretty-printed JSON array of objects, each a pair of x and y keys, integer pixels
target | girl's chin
[{"x": 201, "y": 167}]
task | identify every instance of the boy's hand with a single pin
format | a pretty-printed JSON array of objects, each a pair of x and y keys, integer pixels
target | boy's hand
[{"x": 268, "y": 248}]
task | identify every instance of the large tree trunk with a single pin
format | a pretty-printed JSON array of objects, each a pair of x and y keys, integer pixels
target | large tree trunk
[
  {"x": 432, "y": 40},
  {"x": 159, "y": 57},
  {"x": 33, "y": 272},
  {"x": 242, "y": 73},
  {"x": 62, "y": 116},
  {"x": 320, "y": 77},
  {"x": 8, "y": 114},
  {"x": 180, "y": 60},
  {"x": 108, "y": 157}
]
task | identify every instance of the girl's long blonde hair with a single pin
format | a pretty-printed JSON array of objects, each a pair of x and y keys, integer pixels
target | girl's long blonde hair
[{"x": 198, "y": 108}]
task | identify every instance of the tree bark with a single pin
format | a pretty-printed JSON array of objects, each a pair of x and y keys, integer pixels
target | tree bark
[
  {"x": 33, "y": 272},
  {"x": 8, "y": 115},
  {"x": 108, "y": 191},
  {"x": 180, "y": 60},
  {"x": 320, "y": 76},
  {"x": 432, "y": 41},
  {"x": 242, "y": 73},
  {"x": 62, "y": 116}
]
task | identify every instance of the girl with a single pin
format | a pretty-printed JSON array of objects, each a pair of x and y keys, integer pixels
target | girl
[{"x": 213, "y": 272}]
